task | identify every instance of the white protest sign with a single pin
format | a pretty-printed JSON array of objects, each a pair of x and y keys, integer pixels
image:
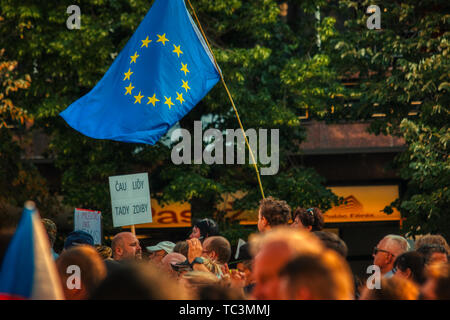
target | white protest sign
[
  {"x": 89, "y": 221},
  {"x": 130, "y": 199}
]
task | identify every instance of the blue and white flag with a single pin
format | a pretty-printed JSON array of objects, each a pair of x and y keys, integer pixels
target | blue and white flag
[
  {"x": 164, "y": 70},
  {"x": 28, "y": 270}
]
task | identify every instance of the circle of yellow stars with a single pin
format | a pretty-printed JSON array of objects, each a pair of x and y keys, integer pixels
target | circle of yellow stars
[{"x": 153, "y": 99}]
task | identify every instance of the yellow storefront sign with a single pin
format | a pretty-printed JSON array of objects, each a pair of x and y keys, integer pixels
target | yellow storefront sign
[
  {"x": 173, "y": 215},
  {"x": 363, "y": 203}
]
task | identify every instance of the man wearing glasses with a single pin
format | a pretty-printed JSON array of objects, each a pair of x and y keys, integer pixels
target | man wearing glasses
[{"x": 387, "y": 250}]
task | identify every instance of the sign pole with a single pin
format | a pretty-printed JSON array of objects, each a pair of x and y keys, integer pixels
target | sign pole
[{"x": 133, "y": 229}]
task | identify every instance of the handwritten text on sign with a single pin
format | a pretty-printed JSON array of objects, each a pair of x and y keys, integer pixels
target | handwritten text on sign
[
  {"x": 89, "y": 221},
  {"x": 130, "y": 199}
]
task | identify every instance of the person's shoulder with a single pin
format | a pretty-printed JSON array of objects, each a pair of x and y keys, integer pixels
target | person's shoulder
[{"x": 112, "y": 265}]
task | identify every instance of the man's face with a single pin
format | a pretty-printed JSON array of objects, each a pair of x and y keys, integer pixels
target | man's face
[
  {"x": 157, "y": 256},
  {"x": 383, "y": 257},
  {"x": 248, "y": 273},
  {"x": 206, "y": 252},
  {"x": 268, "y": 263},
  {"x": 297, "y": 223},
  {"x": 131, "y": 247},
  {"x": 262, "y": 222},
  {"x": 438, "y": 257},
  {"x": 195, "y": 233}
]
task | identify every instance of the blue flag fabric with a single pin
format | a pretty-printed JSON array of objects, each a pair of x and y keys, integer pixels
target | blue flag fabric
[
  {"x": 164, "y": 70},
  {"x": 28, "y": 270}
]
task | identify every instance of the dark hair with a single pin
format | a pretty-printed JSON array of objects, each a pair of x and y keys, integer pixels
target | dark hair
[
  {"x": 276, "y": 212},
  {"x": 428, "y": 249},
  {"x": 208, "y": 227},
  {"x": 333, "y": 242},
  {"x": 310, "y": 217},
  {"x": 221, "y": 247},
  {"x": 415, "y": 262}
]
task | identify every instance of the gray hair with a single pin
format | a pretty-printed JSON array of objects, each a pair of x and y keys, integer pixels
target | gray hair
[{"x": 399, "y": 243}]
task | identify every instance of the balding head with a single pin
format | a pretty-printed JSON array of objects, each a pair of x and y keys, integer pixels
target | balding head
[
  {"x": 217, "y": 248},
  {"x": 125, "y": 246}
]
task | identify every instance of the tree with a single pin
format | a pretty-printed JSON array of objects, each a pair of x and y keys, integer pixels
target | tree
[
  {"x": 403, "y": 74},
  {"x": 272, "y": 65},
  {"x": 19, "y": 179}
]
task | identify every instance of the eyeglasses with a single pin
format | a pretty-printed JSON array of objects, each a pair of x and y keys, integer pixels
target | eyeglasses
[{"x": 376, "y": 250}]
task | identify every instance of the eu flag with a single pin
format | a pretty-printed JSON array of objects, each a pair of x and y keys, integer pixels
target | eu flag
[{"x": 164, "y": 70}]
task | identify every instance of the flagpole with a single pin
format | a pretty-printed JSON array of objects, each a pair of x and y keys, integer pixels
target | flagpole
[{"x": 232, "y": 102}]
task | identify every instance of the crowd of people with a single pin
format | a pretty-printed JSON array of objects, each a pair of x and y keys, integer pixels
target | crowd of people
[{"x": 287, "y": 261}]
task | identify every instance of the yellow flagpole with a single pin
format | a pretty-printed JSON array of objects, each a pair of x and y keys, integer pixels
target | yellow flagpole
[{"x": 232, "y": 102}]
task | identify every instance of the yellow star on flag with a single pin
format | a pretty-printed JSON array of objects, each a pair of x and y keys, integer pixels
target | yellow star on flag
[
  {"x": 133, "y": 58},
  {"x": 127, "y": 75},
  {"x": 184, "y": 68},
  {"x": 138, "y": 98},
  {"x": 162, "y": 39},
  {"x": 152, "y": 100},
  {"x": 145, "y": 42},
  {"x": 177, "y": 50},
  {"x": 180, "y": 98},
  {"x": 129, "y": 88},
  {"x": 169, "y": 101},
  {"x": 185, "y": 85}
]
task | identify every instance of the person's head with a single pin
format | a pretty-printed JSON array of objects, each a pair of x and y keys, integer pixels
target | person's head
[
  {"x": 310, "y": 219},
  {"x": 51, "y": 229},
  {"x": 217, "y": 248},
  {"x": 333, "y": 242},
  {"x": 433, "y": 253},
  {"x": 273, "y": 213},
  {"x": 139, "y": 281},
  {"x": 181, "y": 247},
  {"x": 324, "y": 276},
  {"x": 78, "y": 237},
  {"x": 204, "y": 228},
  {"x": 394, "y": 288},
  {"x": 105, "y": 252},
  {"x": 246, "y": 268},
  {"x": 159, "y": 251},
  {"x": 437, "y": 286},
  {"x": 410, "y": 265},
  {"x": 387, "y": 250},
  {"x": 125, "y": 246},
  {"x": 271, "y": 251},
  {"x": 91, "y": 273},
  {"x": 432, "y": 239}
]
